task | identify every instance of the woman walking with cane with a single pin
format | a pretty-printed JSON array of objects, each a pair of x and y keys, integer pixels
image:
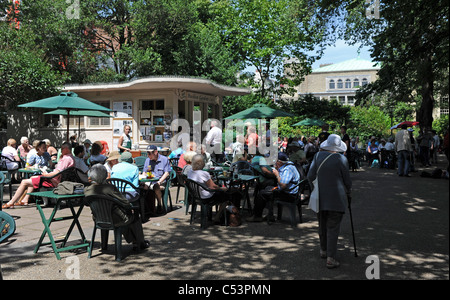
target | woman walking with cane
[{"x": 334, "y": 187}]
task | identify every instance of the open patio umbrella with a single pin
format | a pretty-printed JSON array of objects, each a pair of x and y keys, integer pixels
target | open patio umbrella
[
  {"x": 407, "y": 123},
  {"x": 79, "y": 114},
  {"x": 68, "y": 101},
  {"x": 309, "y": 122},
  {"x": 260, "y": 111}
]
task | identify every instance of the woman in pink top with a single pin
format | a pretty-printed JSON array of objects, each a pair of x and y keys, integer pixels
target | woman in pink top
[
  {"x": 24, "y": 147},
  {"x": 29, "y": 185}
]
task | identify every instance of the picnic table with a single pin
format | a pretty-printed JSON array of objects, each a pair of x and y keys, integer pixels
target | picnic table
[{"x": 69, "y": 200}]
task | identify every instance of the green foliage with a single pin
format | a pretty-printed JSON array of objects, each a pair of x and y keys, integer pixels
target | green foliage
[
  {"x": 309, "y": 106},
  {"x": 411, "y": 40},
  {"x": 24, "y": 74},
  {"x": 441, "y": 125},
  {"x": 265, "y": 34},
  {"x": 365, "y": 122}
]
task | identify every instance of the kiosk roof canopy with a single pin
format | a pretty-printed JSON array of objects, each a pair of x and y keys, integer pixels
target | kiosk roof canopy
[{"x": 199, "y": 85}]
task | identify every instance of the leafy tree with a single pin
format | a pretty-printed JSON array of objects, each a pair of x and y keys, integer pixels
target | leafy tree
[
  {"x": 267, "y": 34},
  {"x": 410, "y": 38},
  {"x": 441, "y": 125},
  {"x": 24, "y": 74},
  {"x": 365, "y": 122},
  {"x": 309, "y": 106}
]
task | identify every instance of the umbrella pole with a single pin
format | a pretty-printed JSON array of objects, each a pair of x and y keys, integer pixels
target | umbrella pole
[
  {"x": 68, "y": 124},
  {"x": 79, "y": 127}
]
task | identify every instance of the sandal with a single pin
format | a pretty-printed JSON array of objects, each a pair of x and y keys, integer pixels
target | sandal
[
  {"x": 6, "y": 206},
  {"x": 21, "y": 204}
]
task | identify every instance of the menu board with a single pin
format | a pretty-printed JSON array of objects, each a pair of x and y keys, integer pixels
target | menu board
[{"x": 123, "y": 109}]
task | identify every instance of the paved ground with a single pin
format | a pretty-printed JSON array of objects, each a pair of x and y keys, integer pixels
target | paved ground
[{"x": 404, "y": 222}]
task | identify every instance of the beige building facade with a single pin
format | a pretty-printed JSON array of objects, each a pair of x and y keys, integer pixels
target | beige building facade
[
  {"x": 148, "y": 105},
  {"x": 339, "y": 81}
]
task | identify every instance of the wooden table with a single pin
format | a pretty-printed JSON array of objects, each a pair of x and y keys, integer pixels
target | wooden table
[{"x": 69, "y": 199}]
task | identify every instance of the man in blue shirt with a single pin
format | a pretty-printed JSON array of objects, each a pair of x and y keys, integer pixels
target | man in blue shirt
[
  {"x": 287, "y": 177},
  {"x": 160, "y": 167},
  {"x": 126, "y": 170}
]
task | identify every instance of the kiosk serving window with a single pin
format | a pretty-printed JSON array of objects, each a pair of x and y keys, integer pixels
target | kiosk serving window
[{"x": 151, "y": 120}]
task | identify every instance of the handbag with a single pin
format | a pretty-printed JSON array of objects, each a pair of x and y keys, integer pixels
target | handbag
[{"x": 314, "y": 197}]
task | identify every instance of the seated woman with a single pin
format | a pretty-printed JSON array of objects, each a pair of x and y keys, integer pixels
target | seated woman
[
  {"x": 12, "y": 157},
  {"x": 133, "y": 232},
  {"x": 188, "y": 158},
  {"x": 197, "y": 174},
  {"x": 50, "y": 149},
  {"x": 41, "y": 158},
  {"x": 111, "y": 161},
  {"x": 96, "y": 156},
  {"x": 29, "y": 185}
]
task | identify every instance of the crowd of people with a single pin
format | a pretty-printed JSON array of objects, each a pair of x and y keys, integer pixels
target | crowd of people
[{"x": 328, "y": 157}]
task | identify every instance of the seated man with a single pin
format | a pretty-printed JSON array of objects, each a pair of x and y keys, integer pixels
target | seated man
[
  {"x": 159, "y": 165},
  {"x": 133, "y": 232},
  {"x": 79, "y": 159},
  {"x": 29, "y": 185},
  {"x": 126, "y": 170},
  {"x": 287, "y": 176}
]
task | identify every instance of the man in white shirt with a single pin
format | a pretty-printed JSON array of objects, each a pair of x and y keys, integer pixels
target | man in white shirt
[
  {"x": 214, "y": 140},
  {"x": 403, "y": 148}
]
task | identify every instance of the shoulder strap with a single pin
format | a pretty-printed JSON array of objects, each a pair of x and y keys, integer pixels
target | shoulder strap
[{"x": 323, "y": 162}]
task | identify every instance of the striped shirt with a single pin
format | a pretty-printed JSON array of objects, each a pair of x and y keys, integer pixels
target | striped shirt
[{"x": 289, "y": 176}]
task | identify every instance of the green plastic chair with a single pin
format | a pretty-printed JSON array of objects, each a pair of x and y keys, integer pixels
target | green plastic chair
[
  {"x": 2, "y": 186},
  {"x": 7, "y": 226},
  {"x": 167, "y": 195},
  {"x": 140, "y": 161}
]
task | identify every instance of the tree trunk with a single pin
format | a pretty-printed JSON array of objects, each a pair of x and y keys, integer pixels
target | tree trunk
[{"x": 425, "y": 113}]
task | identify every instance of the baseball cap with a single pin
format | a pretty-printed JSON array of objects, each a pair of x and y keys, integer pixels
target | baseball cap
[
  {"x": 283, "y": 157},
  {"x": 151, "y": 148}
]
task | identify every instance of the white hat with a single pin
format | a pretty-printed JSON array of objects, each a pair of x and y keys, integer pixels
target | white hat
[{"x": 333, "y": 143}]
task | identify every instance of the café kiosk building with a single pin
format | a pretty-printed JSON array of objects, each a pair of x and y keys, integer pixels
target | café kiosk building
[{"x": 148, "y": 105}]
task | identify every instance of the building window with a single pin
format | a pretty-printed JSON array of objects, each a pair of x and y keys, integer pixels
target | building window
[
  {"x": 331, "y": 84},
  {"x": 340, "y": 84},
  {"x": 348, "y": 84},
  {"x": 350, "y": 100},
  {"x": 364, "y": 82},
  {"x": 342, "y": 100},
  {"x": 152, "y": 105},
  {"x": 444, "y": 106},
  {"x": 356, "y": 83},
  {"x": 100, "y": 122}
]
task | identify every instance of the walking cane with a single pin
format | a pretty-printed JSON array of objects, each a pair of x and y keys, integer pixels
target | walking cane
[{"x": 349, "y": 198}]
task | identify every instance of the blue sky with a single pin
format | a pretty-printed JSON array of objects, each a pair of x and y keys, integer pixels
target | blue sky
[
  {"x": 334, "y": 54},
  {"x": 341, "y": 52}
]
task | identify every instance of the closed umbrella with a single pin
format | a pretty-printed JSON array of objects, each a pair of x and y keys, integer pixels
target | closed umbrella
[{"x": 68, "y": 101}]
